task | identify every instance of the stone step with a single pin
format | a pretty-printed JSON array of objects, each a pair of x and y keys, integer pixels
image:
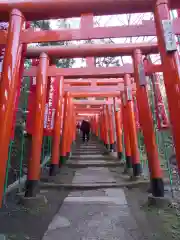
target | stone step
[
  {"x": 75, "y": 159},
  {"x": 86, "y": 186},
  {"x": 92, "y": 159},
  {"x": 88, "y": 153},
  {"x": 85, "y": 164},
  {"x": 89, "y": 148},
  {"x": 93, "y": 217},
  {"x": 89, "y": 156}
]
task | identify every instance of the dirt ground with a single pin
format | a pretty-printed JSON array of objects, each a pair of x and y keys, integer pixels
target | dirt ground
[
  {"x": 157, "y": 224},
  {"x": 20, "y": 223}
]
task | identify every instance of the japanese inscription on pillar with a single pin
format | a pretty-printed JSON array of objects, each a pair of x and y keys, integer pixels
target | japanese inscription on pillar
[
  {"x": 129, "y": 93},
  {"x": 169, "y": 36},
  {"x": 50, "y": 107},
  {"x": 142, "y": 75}
]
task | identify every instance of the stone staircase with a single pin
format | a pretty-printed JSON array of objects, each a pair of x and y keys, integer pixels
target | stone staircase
[{"x": 96, "y": 206}]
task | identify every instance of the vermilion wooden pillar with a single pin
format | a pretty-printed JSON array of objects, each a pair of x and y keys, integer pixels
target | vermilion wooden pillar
[
  {"x": 57, "y": 129},
  {"x": 170, "y": 61},
  {"x": 101, "y": 127},
  {"x": 126, "y": 138},
  {"x": 70, "y": 128},
  {"x": 146, "y": 121},
  {"x": 136, "y": 165},
  {"x": 21, "y": 71},
  {"x": 92, "y": 125},
  {"x": 74, "y": 125},
  {"x": 96, "y": 125},
  {"x": 110, "y": 126},
  {"x": 37, "y": 135},
  {"x": 65, "y": 136},
  {"x": 8, "y": 88},
  {"x": 105, "y": 125},
  {"x": 68, "y": 121},
  {"x": 118, "y": 130}
]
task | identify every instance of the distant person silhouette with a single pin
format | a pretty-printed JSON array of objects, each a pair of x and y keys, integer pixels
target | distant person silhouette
[{"x": 85, "y": 128}]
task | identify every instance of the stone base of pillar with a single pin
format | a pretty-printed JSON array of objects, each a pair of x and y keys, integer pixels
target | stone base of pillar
[
  {"x": 53, "y": 170},
  {"x": 157, "y": 187},
  {"x": 63, "y": 159},
  {"x": 33, "y": 202},
  {"x": 137, "y": 170},
  {"x": 31, "y": 188}
]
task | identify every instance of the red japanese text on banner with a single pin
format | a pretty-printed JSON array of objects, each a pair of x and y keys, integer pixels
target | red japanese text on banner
[
  {"x": 136, "y": 113},
  {"x": 161, "y": 115},
  {"x": 50, "y": 108}
]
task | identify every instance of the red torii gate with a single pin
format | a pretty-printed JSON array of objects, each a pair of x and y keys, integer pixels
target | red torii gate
[
  {"x": 94, "y": 82},
  {"x": 93, "y": 72},
  {"x": 92, "y": 50},
  {"x": 52, "y": 9},
  {"x": 93, "y": 102},
  {"x": 147, "y": 28}
]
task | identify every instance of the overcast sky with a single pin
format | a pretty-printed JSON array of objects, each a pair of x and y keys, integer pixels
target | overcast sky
[{"x": 115, "y": 20}]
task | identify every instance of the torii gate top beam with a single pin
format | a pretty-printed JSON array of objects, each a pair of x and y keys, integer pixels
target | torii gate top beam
[
  {"x": 89, "y": 72},
  {"x": 96, "y": 89},
  {"x": 147, "y": 28},
  {"x": 92, "y": 102},
  {"x": 94, "y": 82},
  {"x": 48, "y": 9},
  {"x": 82, "y": 108},
  {"x": 95, "y": 94},
  {"x": 91, "y": 50}
]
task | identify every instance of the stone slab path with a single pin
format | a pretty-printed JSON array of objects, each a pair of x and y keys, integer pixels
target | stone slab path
[
  {"x": 101, "y": 214},
  {"x": 90, "y": 215}
]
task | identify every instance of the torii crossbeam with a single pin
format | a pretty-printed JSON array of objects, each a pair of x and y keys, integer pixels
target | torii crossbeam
[{"x": 49, "y": 9}]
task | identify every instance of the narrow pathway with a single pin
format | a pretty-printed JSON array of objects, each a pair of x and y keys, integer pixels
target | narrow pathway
[{"x": 93, "y": 214}]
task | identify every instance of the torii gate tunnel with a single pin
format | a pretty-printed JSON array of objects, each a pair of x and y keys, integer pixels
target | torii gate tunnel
[{"x": 53, "y": 108}]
